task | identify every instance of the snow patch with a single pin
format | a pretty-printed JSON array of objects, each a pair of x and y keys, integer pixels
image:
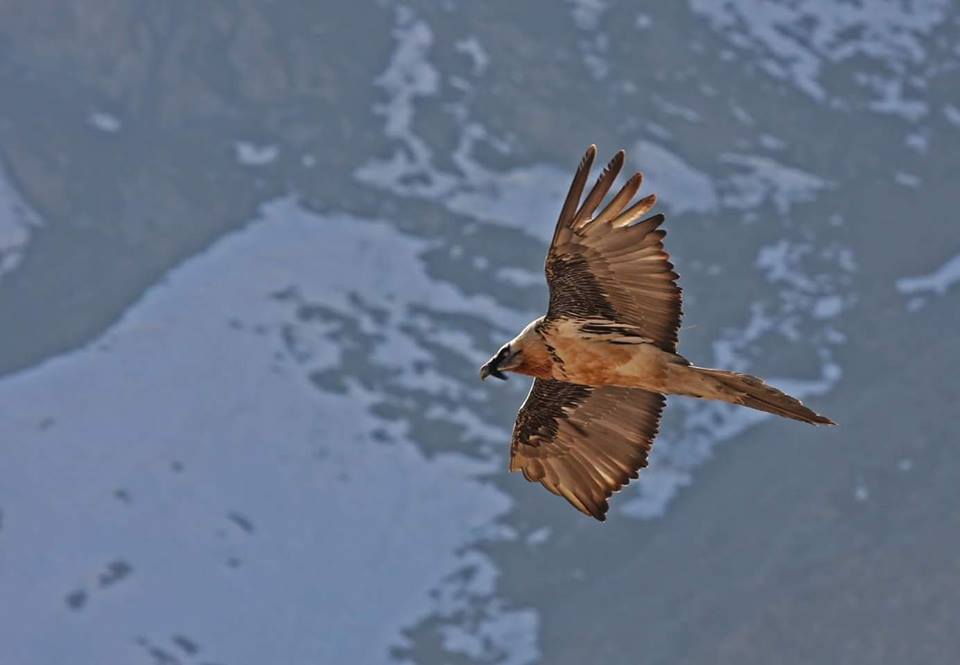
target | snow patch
[
  {"x": 409, "y": 76},
  {"x": 952, "y": 114},
  {"x": 939, "y": 281},
  {"x": 907, "y": 179},
  {"x": 475, "y": 51},
  {"x": 754, "y": 180},
  {"x": 17, "y": 220},
  {"x": 587, "y": 13},
  {"x": 679, "y": 186},
  {"x": 251, "y": 154},
  {"x": 105, "y": 122}
]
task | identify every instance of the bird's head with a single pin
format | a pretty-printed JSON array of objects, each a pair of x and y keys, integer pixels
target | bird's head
[{"x": 508, "y": 357}]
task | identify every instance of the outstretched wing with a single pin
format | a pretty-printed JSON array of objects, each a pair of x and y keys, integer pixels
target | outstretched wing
[
  {"x": 610, "y": 265},
  {"x": 584, "y": 443}
]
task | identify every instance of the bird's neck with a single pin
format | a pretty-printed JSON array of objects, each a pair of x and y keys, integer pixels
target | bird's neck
[{"x": 538, "y": 361}]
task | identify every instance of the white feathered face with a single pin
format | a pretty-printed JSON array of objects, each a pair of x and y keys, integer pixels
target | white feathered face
[{"x": 505, "y": 359}]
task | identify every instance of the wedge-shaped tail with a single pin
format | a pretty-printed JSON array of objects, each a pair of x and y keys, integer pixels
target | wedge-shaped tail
[{"x": 751, "y": 391}]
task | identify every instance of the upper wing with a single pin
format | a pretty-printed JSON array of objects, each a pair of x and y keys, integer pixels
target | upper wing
[
  {"x": 610, "y": 265},
  {"x": 584, "y": 443}
]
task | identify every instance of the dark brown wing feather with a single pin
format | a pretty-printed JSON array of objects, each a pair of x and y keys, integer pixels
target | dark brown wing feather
[
  {"x": 572, "y": 203},
  {"x": 612, "y": 266},
  {"x": 584, "y": 443}
]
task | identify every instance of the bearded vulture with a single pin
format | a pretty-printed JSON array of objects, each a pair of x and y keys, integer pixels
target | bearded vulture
[{"x": 605, "y": 353}]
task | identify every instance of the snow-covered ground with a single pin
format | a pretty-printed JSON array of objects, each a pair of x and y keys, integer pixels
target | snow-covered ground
[{"x": 194, "y": 446}]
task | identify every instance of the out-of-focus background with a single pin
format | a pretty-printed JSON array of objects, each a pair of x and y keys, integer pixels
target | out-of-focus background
[{"x": 252, "y": 254}]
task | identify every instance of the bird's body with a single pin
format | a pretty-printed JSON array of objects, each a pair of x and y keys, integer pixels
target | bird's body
[
  {"x": 604, "y": 355},
  {"x": 592, "y": 352}
]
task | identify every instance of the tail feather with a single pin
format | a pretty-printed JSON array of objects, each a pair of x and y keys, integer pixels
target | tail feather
[{"x": 751, "y": 391}]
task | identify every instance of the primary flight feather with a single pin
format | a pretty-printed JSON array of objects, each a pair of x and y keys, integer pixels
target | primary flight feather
[{"x": 604, "y": 355}]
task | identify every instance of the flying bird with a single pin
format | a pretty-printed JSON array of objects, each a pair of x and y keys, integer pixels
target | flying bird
[{"x": 605, "y": 354}]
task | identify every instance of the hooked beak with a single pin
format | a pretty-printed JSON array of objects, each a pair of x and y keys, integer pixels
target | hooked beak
[{"x": 491, "y": 369}]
